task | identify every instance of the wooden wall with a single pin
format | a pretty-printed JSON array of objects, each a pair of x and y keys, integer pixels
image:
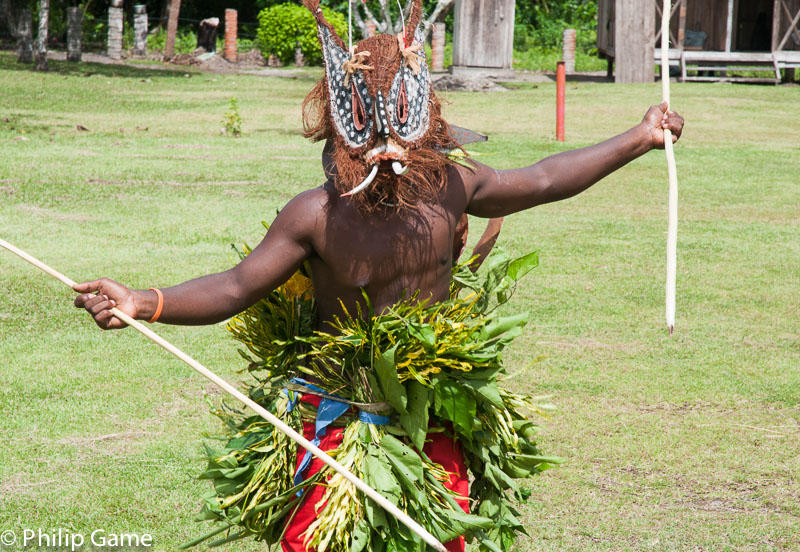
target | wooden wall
[
  {"x": 783, "y": 25},
  {"x": 483, "y": 33},
  {"x": 711, "y": 17},
  {"x": 605, "y": 27},
  {"x": 634, "y": 49}
]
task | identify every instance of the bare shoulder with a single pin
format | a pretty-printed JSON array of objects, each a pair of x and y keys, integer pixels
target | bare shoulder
[
  {"x": 304, "y": 212},
  {"x": 465, "y": 181}
]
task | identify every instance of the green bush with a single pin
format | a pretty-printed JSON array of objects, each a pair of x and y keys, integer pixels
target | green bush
[
  {"x": 94, "y": 31},
  {"x": 284, "y": 27},
  {"x": 541, "y": 25},
  {"x": 185, "y": 42}
]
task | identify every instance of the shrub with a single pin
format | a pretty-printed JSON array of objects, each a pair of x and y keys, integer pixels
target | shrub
[
  {"x": 232, "y": 121},
  {"x": 284, "y": 27},
  {"x": 541, "y": 25},
  {"x": 185, "y": 41}
]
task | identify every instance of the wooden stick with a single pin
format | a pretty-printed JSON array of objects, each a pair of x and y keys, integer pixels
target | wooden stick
[
  {"x": 672, "y": 222},
  {"x": 230, "y": 389}
]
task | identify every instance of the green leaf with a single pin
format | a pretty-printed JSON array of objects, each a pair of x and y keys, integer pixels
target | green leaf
[
  {"x": 488, "y": 390},
  {"x": 500, "y": 479},
  {"x": 468, "y": 522},
  {"x": 502, "y": 325},
  {"x": 406, "y": 463},
  {"x": 424, "y": 333},
  {"x": 487, "y": 544},
  {"x": 393, "y": 391},
  {"x": 452, "y": 403},
  {"x": 520, "y": 266},
  {"x": 415, "y": 421},
  {"x": 360, "y": 536},
  {"x": 378, "y": 474}
]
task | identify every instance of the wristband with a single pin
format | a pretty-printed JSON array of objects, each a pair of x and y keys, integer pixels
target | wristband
[{"x": 159, "y": 307}]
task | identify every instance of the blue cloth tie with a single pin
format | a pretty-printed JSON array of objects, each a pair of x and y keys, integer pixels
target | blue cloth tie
[{"x": 328, "y": 412}]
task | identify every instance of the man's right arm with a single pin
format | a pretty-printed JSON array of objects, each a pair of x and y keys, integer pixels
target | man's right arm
[{"x": 216, "y": 297}]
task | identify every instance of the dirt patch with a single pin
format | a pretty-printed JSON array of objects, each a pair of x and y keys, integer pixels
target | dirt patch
[
  {"x": 587, "y": 343},
  {"x": 451, "y": 83},
  {"x": 102, "y": 181},
  {"x": 55, "y": 214},
  {"x": 112, "y": 444},
  {"x": 293, "y": 158},
  {"x": 186, "y": 146},
  {"x": 212, "y": 63},
  {"x": 89, "y": 441},
  {"x": 20, "y": 484}
]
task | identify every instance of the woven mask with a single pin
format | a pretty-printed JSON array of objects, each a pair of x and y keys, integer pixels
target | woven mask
[{"x": 383, "y": 114}]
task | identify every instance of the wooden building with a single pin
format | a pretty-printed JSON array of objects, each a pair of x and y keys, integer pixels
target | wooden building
[
  {"x": 483, "y": 34},
  {"x": 709, "y": 39}
]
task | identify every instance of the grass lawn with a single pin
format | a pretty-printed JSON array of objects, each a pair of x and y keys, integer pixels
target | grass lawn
[{"x": 682, "y": 443}]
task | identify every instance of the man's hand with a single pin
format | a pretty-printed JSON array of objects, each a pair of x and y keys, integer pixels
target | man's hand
[
  {"x": 657, "y": 119},
  {"x": 100, "y": 296}
]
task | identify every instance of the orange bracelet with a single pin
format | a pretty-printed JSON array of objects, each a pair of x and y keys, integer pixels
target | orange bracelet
[{"x": 159, "y": 307}]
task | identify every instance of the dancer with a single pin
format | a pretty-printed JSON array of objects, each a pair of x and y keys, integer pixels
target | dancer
[{"x": 359, "y": 331}]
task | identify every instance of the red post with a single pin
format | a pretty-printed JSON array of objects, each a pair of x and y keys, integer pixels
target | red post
[
  {"x": 561, "y": 84},
  {"x": 230, "y": 52}
]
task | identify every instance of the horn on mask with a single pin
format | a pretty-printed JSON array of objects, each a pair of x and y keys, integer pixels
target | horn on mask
[
  {"x": 315, "y": 9},
  {"x": 414, "y": 20}
]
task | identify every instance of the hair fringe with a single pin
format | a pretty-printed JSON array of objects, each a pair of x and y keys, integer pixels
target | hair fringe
[{"x": 427, "y": 160}]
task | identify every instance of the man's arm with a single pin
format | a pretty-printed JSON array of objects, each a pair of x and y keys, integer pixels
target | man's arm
[
  {"x": 499, "y": 193},
  {"x": 215, "y": 297}
]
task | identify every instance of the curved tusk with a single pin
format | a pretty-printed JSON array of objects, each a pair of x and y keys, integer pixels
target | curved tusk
[
  {"x": 367, "y": 181},
  {"x": 398, "y": 168}
]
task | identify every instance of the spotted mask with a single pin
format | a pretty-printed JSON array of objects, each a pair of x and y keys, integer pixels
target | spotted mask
[{"x": 375, "y": 104}]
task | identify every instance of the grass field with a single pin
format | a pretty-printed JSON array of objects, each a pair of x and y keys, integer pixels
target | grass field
[{"x": 671, "y": 444}]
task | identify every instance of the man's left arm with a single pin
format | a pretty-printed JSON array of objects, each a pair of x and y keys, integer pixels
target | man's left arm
[{"x": 498, "y": 193}]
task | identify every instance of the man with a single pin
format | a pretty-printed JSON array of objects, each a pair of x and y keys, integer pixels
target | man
[
  {"x": 385, "y": 222},
  {"x": 386, "y": 254}
]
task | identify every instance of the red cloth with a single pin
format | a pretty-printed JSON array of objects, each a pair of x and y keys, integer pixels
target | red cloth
[{"x": 438, "y": 446}]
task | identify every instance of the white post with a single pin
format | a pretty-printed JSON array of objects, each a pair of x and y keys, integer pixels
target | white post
[
  {"x": 140, "y": 30},
  {"x": 115, "y": 30}
]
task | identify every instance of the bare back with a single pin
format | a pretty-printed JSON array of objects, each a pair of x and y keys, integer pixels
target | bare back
[{"x": 386, "y": 254}]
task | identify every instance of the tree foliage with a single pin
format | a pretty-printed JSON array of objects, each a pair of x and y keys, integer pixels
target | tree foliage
[{"x": 541, "y": 23}]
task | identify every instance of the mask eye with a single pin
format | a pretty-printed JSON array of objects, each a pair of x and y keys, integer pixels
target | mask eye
[
  {"x": 359, "y": 112},
  {"x": 402, "y": 104},
  {"x": 408, "y": 101},
  {"x": 350, "y": 102}
]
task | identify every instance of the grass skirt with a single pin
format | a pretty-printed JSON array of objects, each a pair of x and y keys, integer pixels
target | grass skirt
[{"x": 425, "y": 366}]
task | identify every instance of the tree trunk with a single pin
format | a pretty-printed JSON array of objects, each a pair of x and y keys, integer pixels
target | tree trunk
[
  {"x": 74, "y": 27},
  {"x": 25, "y": 36},
  {"x": 172, "y": 29},
  {"x": 438, "y": 14},
  {"x": 40, "y": 53},
  {"x": 384, "y": 23}
]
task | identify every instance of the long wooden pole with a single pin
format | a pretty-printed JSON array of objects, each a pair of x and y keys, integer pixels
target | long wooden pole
[
  {"x": 672, "y": 222},
  {"x": 230, "y": 389}
]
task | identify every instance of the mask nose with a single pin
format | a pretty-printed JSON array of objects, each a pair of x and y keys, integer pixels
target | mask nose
[{"x": 379, "y": 115}]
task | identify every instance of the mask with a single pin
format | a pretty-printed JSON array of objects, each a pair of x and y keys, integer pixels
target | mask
[{"x": 377, "y": 108}]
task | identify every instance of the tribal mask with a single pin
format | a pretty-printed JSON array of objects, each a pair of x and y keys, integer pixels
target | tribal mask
[{"x": 377, "y": 107}]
